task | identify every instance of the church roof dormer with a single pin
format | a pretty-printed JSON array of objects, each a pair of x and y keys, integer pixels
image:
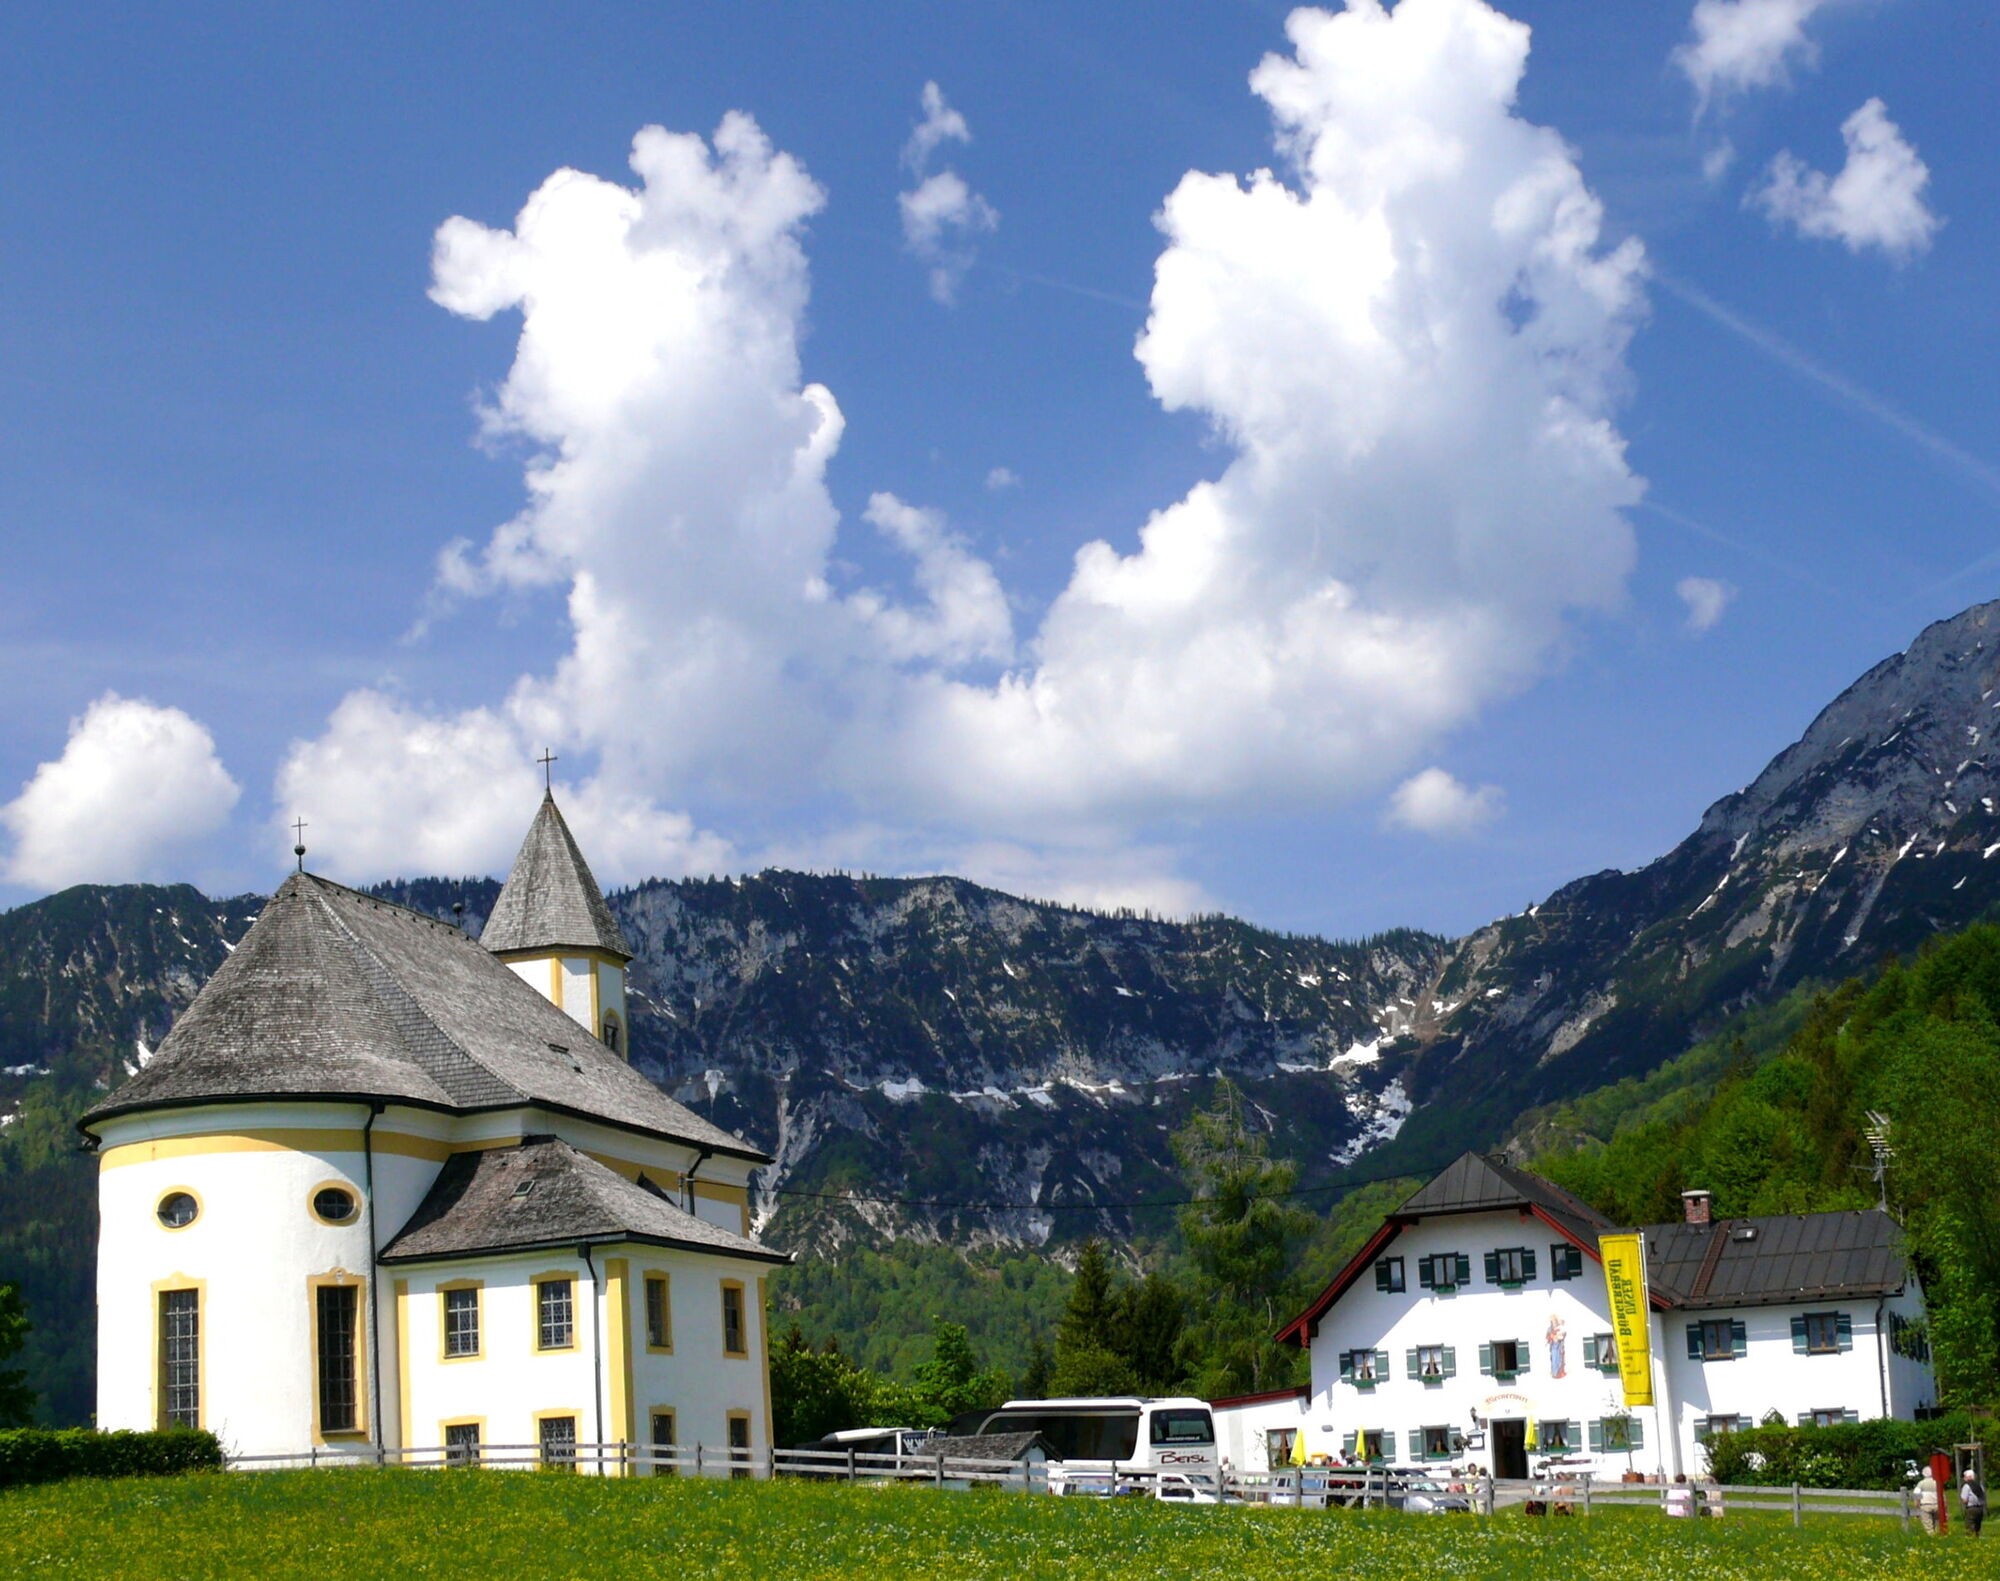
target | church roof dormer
[{"x": 550, "y": 902}]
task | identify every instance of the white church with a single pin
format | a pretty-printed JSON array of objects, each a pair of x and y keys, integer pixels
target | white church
[{"x": 388, "y": 1187}]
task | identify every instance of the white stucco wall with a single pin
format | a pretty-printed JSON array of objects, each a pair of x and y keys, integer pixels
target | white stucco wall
[
  {"x": 1367, "y": 1319},
  {"x": 1240, "y": 1430},
  {"x": 256, "y": 1244},
  {"x": 1770, "y": 1376}
]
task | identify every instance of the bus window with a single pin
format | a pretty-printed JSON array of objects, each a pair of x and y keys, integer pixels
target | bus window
[{"x": 1183, "y": 1427}]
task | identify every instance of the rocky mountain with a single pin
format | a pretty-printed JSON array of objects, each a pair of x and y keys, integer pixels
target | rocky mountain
[
  {"x": 1875, "y": 831},
  {"x": 927, "y": 1057}
]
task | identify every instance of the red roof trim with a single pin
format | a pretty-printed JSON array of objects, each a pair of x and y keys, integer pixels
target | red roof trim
[
  {"x": 1300, "y": 1393},
  {"x": 1301, "y": 1326}
]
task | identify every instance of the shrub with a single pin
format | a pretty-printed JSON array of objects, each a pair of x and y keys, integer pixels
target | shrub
[
  {"x": 52, "y": 1454},
  {"x": 1852, "y": 1455}
]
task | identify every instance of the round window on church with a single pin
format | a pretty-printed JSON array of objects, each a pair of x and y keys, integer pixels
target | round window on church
[
  {"x": 177, "y": 1209},
  {"x": 334, "y": 1204}
]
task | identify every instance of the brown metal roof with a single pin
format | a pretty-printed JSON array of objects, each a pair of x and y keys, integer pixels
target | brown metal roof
[{"x": 1772, "y": 1261}]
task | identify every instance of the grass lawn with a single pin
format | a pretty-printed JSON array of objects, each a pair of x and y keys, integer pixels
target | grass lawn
[{"x": 350, "y": 1524}]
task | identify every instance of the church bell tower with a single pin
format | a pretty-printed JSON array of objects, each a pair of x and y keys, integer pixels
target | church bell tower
[{"x": 552, "y": 927}]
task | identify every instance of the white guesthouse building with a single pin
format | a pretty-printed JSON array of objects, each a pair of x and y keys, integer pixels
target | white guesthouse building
[
  {"x": 1474, "y": 1328},
  {"x": 384, "y": 1185}
]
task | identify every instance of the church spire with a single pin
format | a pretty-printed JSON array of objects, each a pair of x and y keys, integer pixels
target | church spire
[
  {"x": 550, "y": 901},
  {"x": 552, "y": 927}
]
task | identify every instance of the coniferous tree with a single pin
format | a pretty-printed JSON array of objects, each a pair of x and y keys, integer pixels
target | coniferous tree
[{"x": 17, "y": 1400}]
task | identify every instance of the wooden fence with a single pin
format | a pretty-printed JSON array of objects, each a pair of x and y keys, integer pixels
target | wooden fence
[{"x": 1307, "y": 1487}]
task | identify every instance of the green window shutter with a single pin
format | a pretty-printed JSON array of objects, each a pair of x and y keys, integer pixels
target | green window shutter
[
  {"x": 1523, "y": 1349},
  {"x": 1381, "y": 1366},
  {"x": 1528, "y": 1263},
  {"x": 1739, "y": 1338},
  {"x": 1493, "y": 1268},
  {"x": 1590, "y": 1351},
  {"x": 1464, "y": 1267},
  {"x": 1486, "y": 1360},
  {"x": 1451, "y": 1361},
  {"x": 1347, "y": 1445},
  {"x": 1347, "y": 1366},
  {"x": 1636, "y": 1433},
  {"x": 1694, "y": 1342},
  {"x": 1798, "y": 1336},
  {"x": 1846, "y": 1326},
  {"x": 1701, "y": 1429},
  {"x": 1424, "y": 1273},
  {"x": 1382, "y": 1275},
  {"x": 1388, "y": 1445},
  {"x": 1411, "y": 1356},
  {"x": 1596, "y": 1436}
]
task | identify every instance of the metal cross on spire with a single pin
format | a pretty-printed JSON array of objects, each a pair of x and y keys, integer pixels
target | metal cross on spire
[
  {"x": 299, "y": 835},
  {"x": 548, "y": 774}
]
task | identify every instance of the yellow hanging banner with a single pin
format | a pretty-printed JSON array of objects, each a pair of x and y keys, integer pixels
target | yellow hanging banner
[{"x": 1625, "y": 1280}]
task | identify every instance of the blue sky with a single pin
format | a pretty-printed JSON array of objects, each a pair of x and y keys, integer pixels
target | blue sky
[{"x": 1397, "y": 669}]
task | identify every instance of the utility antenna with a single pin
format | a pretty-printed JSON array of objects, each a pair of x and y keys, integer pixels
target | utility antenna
[
  {"x": 548, "y": 774},
  {"x": 1876, "y": 1131}
]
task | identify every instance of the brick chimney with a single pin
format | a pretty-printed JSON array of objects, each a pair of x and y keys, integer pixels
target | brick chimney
[{"x": 1696, "y": 1205}]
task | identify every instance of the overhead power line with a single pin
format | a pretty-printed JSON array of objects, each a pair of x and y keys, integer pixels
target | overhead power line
[{"x": 1098, "y": 1206}]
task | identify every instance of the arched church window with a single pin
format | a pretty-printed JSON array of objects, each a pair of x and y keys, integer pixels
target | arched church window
[{"x": 178, "y": 1209}]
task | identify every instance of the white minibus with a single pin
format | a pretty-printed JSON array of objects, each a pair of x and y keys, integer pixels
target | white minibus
[{"x": 1104, "y": 1444}]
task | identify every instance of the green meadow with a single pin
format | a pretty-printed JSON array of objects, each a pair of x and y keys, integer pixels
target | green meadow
[{"x": 366, "y": 1523}]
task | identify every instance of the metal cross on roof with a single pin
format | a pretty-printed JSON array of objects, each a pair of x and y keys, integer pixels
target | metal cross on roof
[
  {"x": 299, "y": 849},
  {"x": 548, "y": 774}
]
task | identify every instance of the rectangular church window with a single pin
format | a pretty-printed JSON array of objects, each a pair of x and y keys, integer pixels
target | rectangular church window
[
  {"x": 180, "y": 1358},
  {"x": 558, "y": 1435},
  {"x": 733, "y": 1341},
  {"x": 663, "y": 1444},
  {"x": 461, "y": 1444},
  {"x": 461, "y": 1321},
  {"x": 555, "y": 1314},
  {"x": 337, "y": 1330},
  {"x": 659, "y": 1313}
]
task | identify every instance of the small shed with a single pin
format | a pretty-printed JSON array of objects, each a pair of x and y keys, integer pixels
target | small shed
[{"x": 1026, "y": 1453}]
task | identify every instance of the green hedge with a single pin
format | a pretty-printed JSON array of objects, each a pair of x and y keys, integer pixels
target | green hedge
[
  {"x": 1852, "y": 1455},
  {"x": 51, "y": 1454}
]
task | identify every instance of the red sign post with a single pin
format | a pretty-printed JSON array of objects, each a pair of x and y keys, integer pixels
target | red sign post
[{"x": 1941, "y": 1475}]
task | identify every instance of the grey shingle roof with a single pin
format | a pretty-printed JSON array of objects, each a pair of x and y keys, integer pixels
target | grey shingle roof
[
  {"x": 550, "y": 897},
  {"x": 1770, "y": 1261},
  {"x": 544, "y": 1193},
  {"x": 335, "y": 993},
  {"x": 986, "y": 1446}
]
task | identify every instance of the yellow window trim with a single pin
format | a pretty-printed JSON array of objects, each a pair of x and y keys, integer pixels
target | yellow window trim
[
  {"x": 348, "y": 1186},
  {"x": 340, "y": 1277},
  {"x": 479, "y": 1309},
  {"x": 200, "y": 1208},
  {"x": 535, "y": 1283},
  {"x": 200, "y": 1288},
  {"x": 743, "y": 1312},
  {"x": 666, "y": 1309},
  {"x": 569, "y": 1413},
  {"x": 463, "y": 1421},
  {"x": 673, "y": 1416}
]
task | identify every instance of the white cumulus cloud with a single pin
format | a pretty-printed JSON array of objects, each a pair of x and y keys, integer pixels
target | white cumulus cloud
[
  {"x": 1438, "y": 803},
  {"x": 1002, "y": 478},
  {"x": 1706, "y": 599},
  {"x": 137, "y": 788},
  {"x": 1876, "y": 200},
  {"x": 1408, "y": 340},
  {"x": 942, "y": 216},
  {"x": 1738, "y": 45}
]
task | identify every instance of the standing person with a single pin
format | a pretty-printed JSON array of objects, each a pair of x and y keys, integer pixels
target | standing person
[
  {"x": 1927, "y": 1501},
  {"x": 1972, "y": 1500}
]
